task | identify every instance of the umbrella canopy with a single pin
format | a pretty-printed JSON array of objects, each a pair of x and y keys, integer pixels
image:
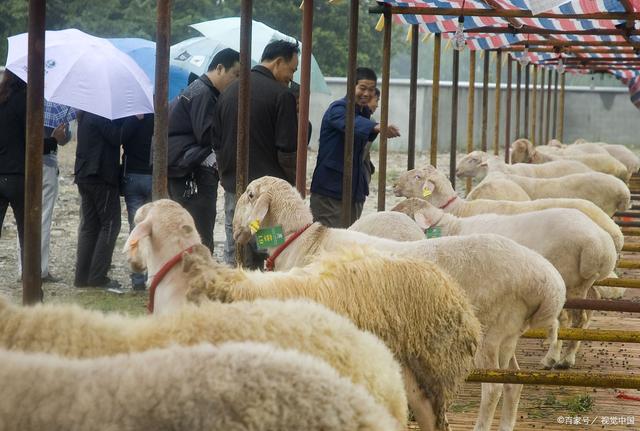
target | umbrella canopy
[
  {"x": 195, "y": 54},
  {"x": 227, "y": 32},
  {"x": 144, "y": 53},
  {"x": 86, "y": 73}
]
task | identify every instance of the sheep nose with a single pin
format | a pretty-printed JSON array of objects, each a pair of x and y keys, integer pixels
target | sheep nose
[
  {"x": 242, "y": 236},
  {"x": 396, "y": 190}
]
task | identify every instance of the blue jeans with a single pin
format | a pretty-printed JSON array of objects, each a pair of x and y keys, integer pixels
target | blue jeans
[{"x": 136, "y": 189}]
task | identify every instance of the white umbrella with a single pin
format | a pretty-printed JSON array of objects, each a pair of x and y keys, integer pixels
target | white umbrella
[{"x": 86, "y": 73}]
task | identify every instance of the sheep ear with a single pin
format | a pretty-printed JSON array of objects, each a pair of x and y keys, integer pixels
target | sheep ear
[
  {"x": 422, "y": 220},
  {"x": 260, "y": 208},
  {"x": 142, "y": 230}
]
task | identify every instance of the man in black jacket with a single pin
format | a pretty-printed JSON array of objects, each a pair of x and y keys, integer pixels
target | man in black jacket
[
  {"x": 193, "y": 173},
  {"x": 274, "y": 127}
]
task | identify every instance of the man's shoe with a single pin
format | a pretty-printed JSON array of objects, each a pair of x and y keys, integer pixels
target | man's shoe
[
  {"x": 51, "y": 279},
  {"x": 105, "y": 283}
]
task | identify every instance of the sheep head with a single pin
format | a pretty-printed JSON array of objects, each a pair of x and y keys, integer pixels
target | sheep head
[
  {"x": 425, "y": 183},
  {"x": 556, "y": 143},
  {"x": 580, "y": 141},
  {"x": 424, "y": 213},
  {"x": 163, "y": 229},
  {"x": 267, "y": 202},
  {"x": 473, "y": 164},
  {"x": 522, "y": 151}
]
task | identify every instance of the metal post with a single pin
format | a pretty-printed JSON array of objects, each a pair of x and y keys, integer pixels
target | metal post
[
  {"x": 561, "y": 110},
  {"x": 244, "y": 105},
  {"x": 347, "y": 177},
  {"x": 31, "y": 272},
  {"x": 485, "y": 100},
  {"x": 496, "y": 127},
  {"x": 384, "y": 111},
  {"x": 161, "y": 101},
  {"x": 507, "y": 126},
  {"x": 305, "y": 84},
  {"x": 435, "y": 96},
  {"x": 541, "y": 118},
  {"x": 556, "y": 378},
  {"x": 518, "y": 99},
  {"x": 534, "y": 107},
  {"x": 526, "y": 101},
  {"x": 454, "y": 117},
  {"x": 547, "y": 124},
  {"x": 555, "y": 105},
  {"x": 413, "y": 96},
  {"x": 470, "y": 106}
]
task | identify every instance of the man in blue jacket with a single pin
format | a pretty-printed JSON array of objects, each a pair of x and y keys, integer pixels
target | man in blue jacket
[{"x": 326, "y": 185}]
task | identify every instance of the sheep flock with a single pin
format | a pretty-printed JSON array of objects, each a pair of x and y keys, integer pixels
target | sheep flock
[{"x": 347, "y": 329}]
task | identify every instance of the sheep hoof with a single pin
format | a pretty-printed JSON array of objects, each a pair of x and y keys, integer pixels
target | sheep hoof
[
  {"x": 548, "y": 363},
  {"x": 563, "y": 365}
]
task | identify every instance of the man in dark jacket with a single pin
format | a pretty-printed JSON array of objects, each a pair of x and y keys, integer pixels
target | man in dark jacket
[
  {"x": 193, "y": 173},
  {"x": 97, "y": 174},
  {"x": 274, "y": 127},
  {"x": 326, "y": 184}
]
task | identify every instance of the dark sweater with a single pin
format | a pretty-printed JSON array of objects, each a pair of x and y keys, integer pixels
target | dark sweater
[
  {"x": 13, "y": 131},
  {"x": 137, "y": 149}
]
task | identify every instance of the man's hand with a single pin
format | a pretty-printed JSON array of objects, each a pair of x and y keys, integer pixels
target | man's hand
[
  {"x": 392, "y": 131},
  {"x": 60, "y": 134}
]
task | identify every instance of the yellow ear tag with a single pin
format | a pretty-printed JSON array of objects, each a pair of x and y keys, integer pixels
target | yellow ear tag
[
  {"x": 254, "y": 226},
  {"x": 426, "y": 192}
]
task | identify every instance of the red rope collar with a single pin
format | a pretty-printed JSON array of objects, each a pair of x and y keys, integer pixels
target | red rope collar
[
  {"x": 160, "y": 276},
  {"x": 449, "y": 202},
  {"x": 271, "y": 260}
]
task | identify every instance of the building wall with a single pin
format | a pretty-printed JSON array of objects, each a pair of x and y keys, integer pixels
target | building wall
[{"x": 603, "y": 114}]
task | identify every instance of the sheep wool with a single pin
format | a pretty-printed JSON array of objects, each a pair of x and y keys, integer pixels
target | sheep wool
[
  {"x": 71, "y": 331},
  {"x": 231, "y": 387}
]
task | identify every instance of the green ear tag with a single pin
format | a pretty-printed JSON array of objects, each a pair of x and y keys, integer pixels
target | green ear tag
[
  {"x": 434, "y": 232},
  {"x": 269, "y": 237}
]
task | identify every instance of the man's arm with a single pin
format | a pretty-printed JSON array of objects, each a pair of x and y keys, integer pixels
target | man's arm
[
  {"x": 201, "y": 113},
  {"x": 363, "y": 127},
  {"x": 286, "y": 127}
]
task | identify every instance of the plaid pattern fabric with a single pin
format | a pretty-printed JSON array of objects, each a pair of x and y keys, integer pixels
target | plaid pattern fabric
[{"x": 56, "y": 114}]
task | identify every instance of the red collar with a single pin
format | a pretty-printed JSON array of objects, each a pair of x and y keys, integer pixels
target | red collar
[
  {"x": 271, "y": 260},
  {"x": 160, "y": 275},
  {"x": 449, "y": 202}
]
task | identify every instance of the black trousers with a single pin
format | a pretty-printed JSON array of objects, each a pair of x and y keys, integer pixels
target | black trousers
[
  {"x": 98, "y": 231},
  {"x": 202, "y": 206},
  {"x": 12, "y": 194},
  {"x": 328, "y": 211}
]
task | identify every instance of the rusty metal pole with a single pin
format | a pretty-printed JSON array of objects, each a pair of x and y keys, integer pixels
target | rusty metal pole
[
  {"x": 534, "y": 106},
  {"x": 527, "y": 76},
  {"x": 485, "y": 101},
  {"x": 454, "y": 117},
  {"x": 518, "y": 98},
  {"x": 507, "y": 125},
  {"x": 347, "y": 177},
  {"x": 305, "y": 85},
  {"x": 244, "y": 107},
  {"x": 384, "y": 111},
  {"x": 161, "y": 101},
  {"x": 413, "y": 97},
  {"x": 31, "y": 272},
  {"x": 555, "y": 105},
  {"x": 435, "y": 98},
  {"x": 496, "y": 126},
  {"x": 561, "y": 110},
  {"x": 470, "y": 107},
  {"x": 547, "y": 124},
  {"x": 541, "y": 118}
]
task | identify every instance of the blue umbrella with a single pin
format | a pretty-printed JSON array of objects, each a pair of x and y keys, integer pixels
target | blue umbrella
[
  {"x": 56, "y": 114},
  {"x": 144, "y": 53}
]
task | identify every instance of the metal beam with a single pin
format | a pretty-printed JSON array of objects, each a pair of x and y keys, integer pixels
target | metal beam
[
  {"x": 471, "y": 107},
  {"x": 454, "y": 117},
  {"x": 561, "y": 110},
  {"x": 485, "y": 101},
  {"x": 384, "y": 112},
  {"x": 413, "y": 96},
  {"x": 527, "y": 78},
  {"x": 534, "y": 105},
  {"x": 602, "y": 305},
  {"x": 556, "y": 378},
  {"x": 305, "y": 85},
  {"x": 507, "y": 110},
  {"x": 435, "y": 97},
  {"x": 543, "y": 31},
  {"x": 587, "y": 335},
  {"x": 518, "y": 97}
]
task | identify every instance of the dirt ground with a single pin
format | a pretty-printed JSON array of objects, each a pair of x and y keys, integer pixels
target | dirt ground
[{"x": 541, "y": 407}]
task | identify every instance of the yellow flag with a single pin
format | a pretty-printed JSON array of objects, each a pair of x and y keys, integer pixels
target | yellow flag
[
  {"x": 409, "y": 35},
  {"x": 380, "y": 23},
  {"x": 427, "y": 37}
]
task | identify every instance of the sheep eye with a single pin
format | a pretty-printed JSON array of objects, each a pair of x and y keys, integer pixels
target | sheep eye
[{"x": 250, "y": 195}]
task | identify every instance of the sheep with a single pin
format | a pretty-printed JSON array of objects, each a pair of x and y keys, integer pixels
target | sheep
[
  {"x": 412, "y": 184},
  {"x": 619, "y": 152},
  {"x": 523, "y": 151},
  {"x": 413, "y": 306},
  {"x": 235, "y": 386},
  {"x": 607, "y": 192},
  {"x": 71, "y": 331},
  {"x": 479, "y": 163},
  {"x": 522, "y": 287},
  {"x": 380, "y": 223},
  {"x": 580, "y": 251},
  {"x": 497, "y": 186}
]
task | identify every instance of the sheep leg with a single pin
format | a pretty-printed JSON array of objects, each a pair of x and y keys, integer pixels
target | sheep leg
[
  {"x": 511, "y": 398},
  {"x": 420, "y": 404},
  {"x": 577, "y": 319},
  {"x": 488, "y": 357},
  {"x": 555, "y": 349}
]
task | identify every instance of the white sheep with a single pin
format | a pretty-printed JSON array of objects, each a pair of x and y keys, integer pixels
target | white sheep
[
  {"x": 495, "y": 272},
  {"x": 497, "y": 186},
  {"x": 71, "y": 331},
  {"x": 620, "y": 152},
  {"x": 580, "y": 251},
  {"x": 607, "y": 192},
  {"x": 235, "y": 386},
  {"x": 401, "y": 300},
  {"x": 479, "y": 164},
  {"x": 383, "y": 223},
  {"x": 523, "y": 151},
  {"x": 413, "y": 183}
]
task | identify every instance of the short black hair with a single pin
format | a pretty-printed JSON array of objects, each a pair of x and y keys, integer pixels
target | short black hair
[
  {"x": 227, "y": 58},
  {"x": 280, "y": 48},
  {"x": 366, "y": 73}
]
